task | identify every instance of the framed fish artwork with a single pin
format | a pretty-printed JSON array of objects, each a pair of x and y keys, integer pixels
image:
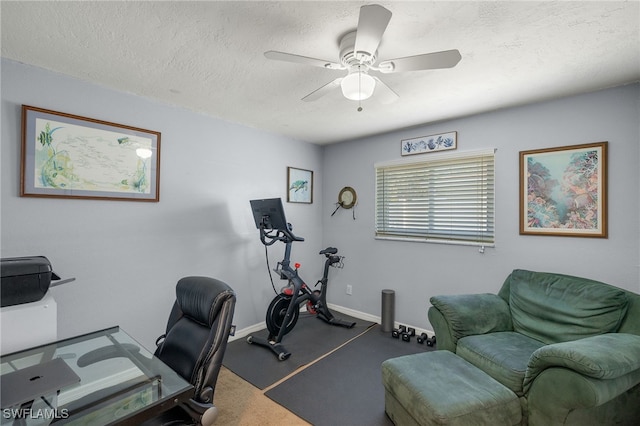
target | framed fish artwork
[
  {"x": 68, "y": 156},
  {"x": 563, "y": 191},
  {"x": 299, "y": 185}
]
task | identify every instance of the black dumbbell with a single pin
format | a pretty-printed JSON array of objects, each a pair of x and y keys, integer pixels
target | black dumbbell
[
  {"x": 424, "y": 338},
  {"x": 398, "y": 331},
  {"x": 406, "y": 336}
]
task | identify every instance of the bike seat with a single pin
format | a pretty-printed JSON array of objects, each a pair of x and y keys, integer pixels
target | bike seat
[{"x": 329, "y": 250}]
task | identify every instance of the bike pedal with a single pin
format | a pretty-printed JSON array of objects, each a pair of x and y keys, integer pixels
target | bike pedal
[{"x": 311, "y": 308}]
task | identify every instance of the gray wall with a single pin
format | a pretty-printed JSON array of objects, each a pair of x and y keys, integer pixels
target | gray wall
[
  {"x": 127, "y": 256},
  {"x": 417, "y": 271}
]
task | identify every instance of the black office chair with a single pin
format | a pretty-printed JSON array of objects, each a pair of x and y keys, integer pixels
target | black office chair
[{"x": 194, "y": 344}]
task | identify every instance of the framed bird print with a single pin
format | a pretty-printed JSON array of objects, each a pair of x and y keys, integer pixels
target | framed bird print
[{"x": 299, "y": 185}]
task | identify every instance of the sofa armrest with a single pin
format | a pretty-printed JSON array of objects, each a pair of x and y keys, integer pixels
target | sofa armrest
[
  {"x": 606, "y": 356},
  {"x": 559, "y": 396},
  {"x": 442, "y": 330},
  {"x": 465, "y": 315}
]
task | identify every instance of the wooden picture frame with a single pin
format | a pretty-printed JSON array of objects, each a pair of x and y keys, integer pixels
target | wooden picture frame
[
  {"x": 563, "y": 191},
  {"x": 69, "y": 156},
  {"x": 299, "y": 185}
]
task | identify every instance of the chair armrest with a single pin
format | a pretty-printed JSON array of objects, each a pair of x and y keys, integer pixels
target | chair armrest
[
  {"x": 107, "y": 352},
  {"x": 442, "y": 330},
  {"x": 466, "y": 315},
  {"x": 606, "y": 356},
  {"x": 121, "y": 350},
  {"x": 559, "y": 396}
]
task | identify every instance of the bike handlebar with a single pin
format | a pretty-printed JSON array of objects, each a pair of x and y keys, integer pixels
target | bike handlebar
[
  {"x": 281, "y": 235},
  {"x": 289, "y": 234}
]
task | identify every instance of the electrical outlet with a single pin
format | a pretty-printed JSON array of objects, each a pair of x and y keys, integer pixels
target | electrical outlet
[{"x": 349, "y": 290}]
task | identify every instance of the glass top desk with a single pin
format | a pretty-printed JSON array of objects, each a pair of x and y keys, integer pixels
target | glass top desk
[{"x": 114, "y": 380}]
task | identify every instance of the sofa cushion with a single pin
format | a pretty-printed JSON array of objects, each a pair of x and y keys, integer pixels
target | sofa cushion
[
  {"x": 556, "y": 308},
  {"x": 504, "y": 356}
]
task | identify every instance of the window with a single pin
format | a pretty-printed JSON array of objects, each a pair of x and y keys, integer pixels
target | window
[{"x": 446, "y": 198}]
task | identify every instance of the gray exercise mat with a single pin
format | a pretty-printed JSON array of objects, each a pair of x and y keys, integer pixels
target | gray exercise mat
[
  {"x": 310, "y": 339},
  {"x": 345, "y": 388}
]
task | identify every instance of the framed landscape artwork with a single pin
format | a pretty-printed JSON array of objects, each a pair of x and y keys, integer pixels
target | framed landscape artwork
[
  {"x": 69, "y": 156},
  {"x": 563, "y": 191}
]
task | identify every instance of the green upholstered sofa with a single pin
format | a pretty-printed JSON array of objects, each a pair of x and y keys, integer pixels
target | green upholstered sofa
[{"x": 568, "y": 347}]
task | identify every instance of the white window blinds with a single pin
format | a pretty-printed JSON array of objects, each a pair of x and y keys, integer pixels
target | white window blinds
[{"x": 449, "y": 198}]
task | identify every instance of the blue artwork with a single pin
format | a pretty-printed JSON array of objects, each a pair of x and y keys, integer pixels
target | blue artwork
[{"x": 431, "y": 143}]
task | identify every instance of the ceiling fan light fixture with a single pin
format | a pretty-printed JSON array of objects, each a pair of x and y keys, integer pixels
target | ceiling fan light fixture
[
  {"x": 358, "y": 86},
  {"x": 359, "y": 55}
]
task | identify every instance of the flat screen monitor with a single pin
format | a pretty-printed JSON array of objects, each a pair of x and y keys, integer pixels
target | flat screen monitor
[{"x": 269, "y": 213}]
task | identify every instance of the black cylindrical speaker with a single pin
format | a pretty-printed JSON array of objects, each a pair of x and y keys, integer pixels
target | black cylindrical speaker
[{"x": 388, "y": 310}]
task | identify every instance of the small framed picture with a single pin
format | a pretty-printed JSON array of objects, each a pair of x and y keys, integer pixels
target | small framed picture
[
  {"x": 563, "y": 191},
  {"x": 299, "y": 185}
]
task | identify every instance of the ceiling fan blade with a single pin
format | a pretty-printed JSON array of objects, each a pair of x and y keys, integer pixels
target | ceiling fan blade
[
  {"x": 318, "y": 93},
  {"x": 428, "y": 61},
  {"x": 384, "y": 93},
  {"x": 372, "y": 23},
  {"x": 290, "y": 57}
]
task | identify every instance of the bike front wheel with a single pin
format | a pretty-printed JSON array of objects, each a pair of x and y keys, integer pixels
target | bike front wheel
[{"x": 276, "y": 314}]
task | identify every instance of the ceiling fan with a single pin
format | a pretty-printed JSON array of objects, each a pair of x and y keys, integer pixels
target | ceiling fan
[{"x": 358, "y": 55}]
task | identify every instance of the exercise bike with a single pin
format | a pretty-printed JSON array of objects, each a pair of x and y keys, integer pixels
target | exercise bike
[{"x": 284, "y": 310}]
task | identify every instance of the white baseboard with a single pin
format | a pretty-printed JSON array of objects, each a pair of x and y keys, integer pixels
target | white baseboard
[
  {"x": 353, "y": 313},
  {"x": 242, "y": 333},
  {"x": 373, "y": 318}
]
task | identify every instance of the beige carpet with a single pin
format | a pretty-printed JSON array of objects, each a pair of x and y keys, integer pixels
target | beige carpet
[{"x": 241, "y": 403}]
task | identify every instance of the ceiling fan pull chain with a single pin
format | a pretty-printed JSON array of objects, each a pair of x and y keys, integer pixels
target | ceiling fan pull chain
[{"x": 359, "y": 87}]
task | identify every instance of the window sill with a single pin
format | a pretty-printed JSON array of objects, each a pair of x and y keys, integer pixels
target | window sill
[{"x": 434, "y": 241}]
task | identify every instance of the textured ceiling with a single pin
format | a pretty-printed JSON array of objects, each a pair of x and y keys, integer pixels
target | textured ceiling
[{"x": 207, "y": 56}]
